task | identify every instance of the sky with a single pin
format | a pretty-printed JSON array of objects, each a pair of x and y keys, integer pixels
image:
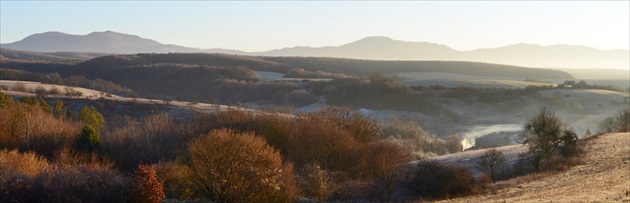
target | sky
[{"x": 262, "y": 26}]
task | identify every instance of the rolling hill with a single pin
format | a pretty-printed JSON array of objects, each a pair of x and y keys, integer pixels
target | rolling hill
[
  {"x": 371, "y": 48},
  {"x": 103, "y": 42}
]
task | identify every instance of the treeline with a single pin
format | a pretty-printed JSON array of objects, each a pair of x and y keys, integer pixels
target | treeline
[
  {"x": 36, "y": 66},
  {"x": 73, "y": 81},
  {"x": 223, "y": 60},
  {"x": 572, "y": 84},
  {"x": 367, "y": 67},
  {"x": 314, "y": 64}
]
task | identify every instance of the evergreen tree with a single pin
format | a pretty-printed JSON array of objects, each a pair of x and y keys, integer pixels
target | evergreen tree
[
  {"x": 89, "y": 139},
  {"x": 90, "y": 116}
]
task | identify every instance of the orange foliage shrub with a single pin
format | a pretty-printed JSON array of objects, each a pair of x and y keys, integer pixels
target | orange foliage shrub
[
  {"x": 145, "y": 187},
  {"x": 228, "y": 166},
  {"x": 323, "y": 143},
  {"x": 28, "y": 163},
  {"x": 30, "y": 127}
]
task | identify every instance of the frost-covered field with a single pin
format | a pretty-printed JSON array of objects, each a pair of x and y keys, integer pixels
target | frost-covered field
[{"x": 604, "y": 176}]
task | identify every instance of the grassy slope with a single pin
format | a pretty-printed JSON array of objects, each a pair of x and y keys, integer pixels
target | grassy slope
[{"x": 604, "y": 176}]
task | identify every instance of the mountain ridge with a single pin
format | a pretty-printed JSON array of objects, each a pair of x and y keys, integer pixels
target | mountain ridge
[{"x": 371, "y": 48}]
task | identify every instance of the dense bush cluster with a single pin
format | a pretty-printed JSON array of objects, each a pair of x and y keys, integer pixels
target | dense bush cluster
[
  {"x": 32, "y": 126},
  {"x": 417, "y": 141},
  {"x": 334, "y": 154},
  {"x": 438, "y": 181},
  {"x": 279, "y": 157}
]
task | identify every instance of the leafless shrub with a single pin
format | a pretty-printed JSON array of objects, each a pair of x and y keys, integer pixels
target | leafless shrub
[
  {"x": 30, "y": 178},
  {"x": 362, "y": 128},
  {"x": 28, "y": 163},
  {"x": 417, "y": 141},
  {"x": 83, "y": 184},
  {"x": 607, "y": 125},
  {"x": 234, "y": 167},
  {"x": 41, "y": 91},
  {"x": 19, "y": 87},
  {"x": 383, "y": 165},
  {"x": 151, "y": 140},
  {"x": 54, "y": 91},
  {"x": 29, "y": 127},
  {"x": 622, "y": 120},
  {"x": 324, "y": 143},
  {"x": 436, "y": 181},
  {"x": 492, "y": 163},
  {"x": 454, "y": 144},
  {"x": 70, "y": 92},
  {"x": 68, "y": 157},
  {"x": 316, "y": 182}
]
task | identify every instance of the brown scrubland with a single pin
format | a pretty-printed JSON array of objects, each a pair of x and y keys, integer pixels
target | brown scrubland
[{"x": 49, "y": 153}]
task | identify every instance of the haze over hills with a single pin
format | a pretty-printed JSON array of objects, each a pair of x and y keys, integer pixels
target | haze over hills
[
  {"x": 372, "y": 48},
  {"x": 53, "y": 56},
  {"x": 104, "y": 42}
]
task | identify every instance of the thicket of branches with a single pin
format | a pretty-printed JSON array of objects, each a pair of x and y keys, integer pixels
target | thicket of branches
[
  {"x": 83, "y": 146},
  {"x": 545, "y": 135},
  {"x": 617, "y": 123}
]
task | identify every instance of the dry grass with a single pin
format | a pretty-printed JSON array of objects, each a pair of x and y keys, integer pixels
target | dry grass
[
  {"x": 30, "y": 87},
  {"x": 603, "y": 176}
]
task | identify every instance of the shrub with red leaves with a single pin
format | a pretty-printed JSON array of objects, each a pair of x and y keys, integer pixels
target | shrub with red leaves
[{"x": 145, "y": 187}]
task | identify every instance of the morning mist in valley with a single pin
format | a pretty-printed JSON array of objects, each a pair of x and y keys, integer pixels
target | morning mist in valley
[{"x": 317, "y": 101}]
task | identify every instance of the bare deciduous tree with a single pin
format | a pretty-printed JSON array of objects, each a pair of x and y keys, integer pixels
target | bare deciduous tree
[
  {"x": 607, "y": 125},
  {"x": 491, "y": 162},
  {"x": 623, "y": 121},
  {"x": 544, "y": 134}
]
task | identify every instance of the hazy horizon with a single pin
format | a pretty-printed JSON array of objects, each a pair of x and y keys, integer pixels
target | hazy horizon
[
  {"x": 263, "y": 26},
  {"x": 330, "y": 45}
]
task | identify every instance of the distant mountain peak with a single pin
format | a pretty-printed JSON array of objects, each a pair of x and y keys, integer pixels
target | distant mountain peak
[
  {"x": 52, "y": 33},
  {"x": 372, "y": 47},
  {"x": 386, "y": 41},
  {"x": 101, "y": 42},
  {"x": 377, "y": 38}
]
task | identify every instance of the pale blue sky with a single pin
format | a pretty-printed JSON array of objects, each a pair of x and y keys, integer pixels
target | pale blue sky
[{"x": 258, "y": 26}]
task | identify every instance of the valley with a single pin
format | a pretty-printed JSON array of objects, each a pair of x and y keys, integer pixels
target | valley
[{"x": 113, "y": 117}]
